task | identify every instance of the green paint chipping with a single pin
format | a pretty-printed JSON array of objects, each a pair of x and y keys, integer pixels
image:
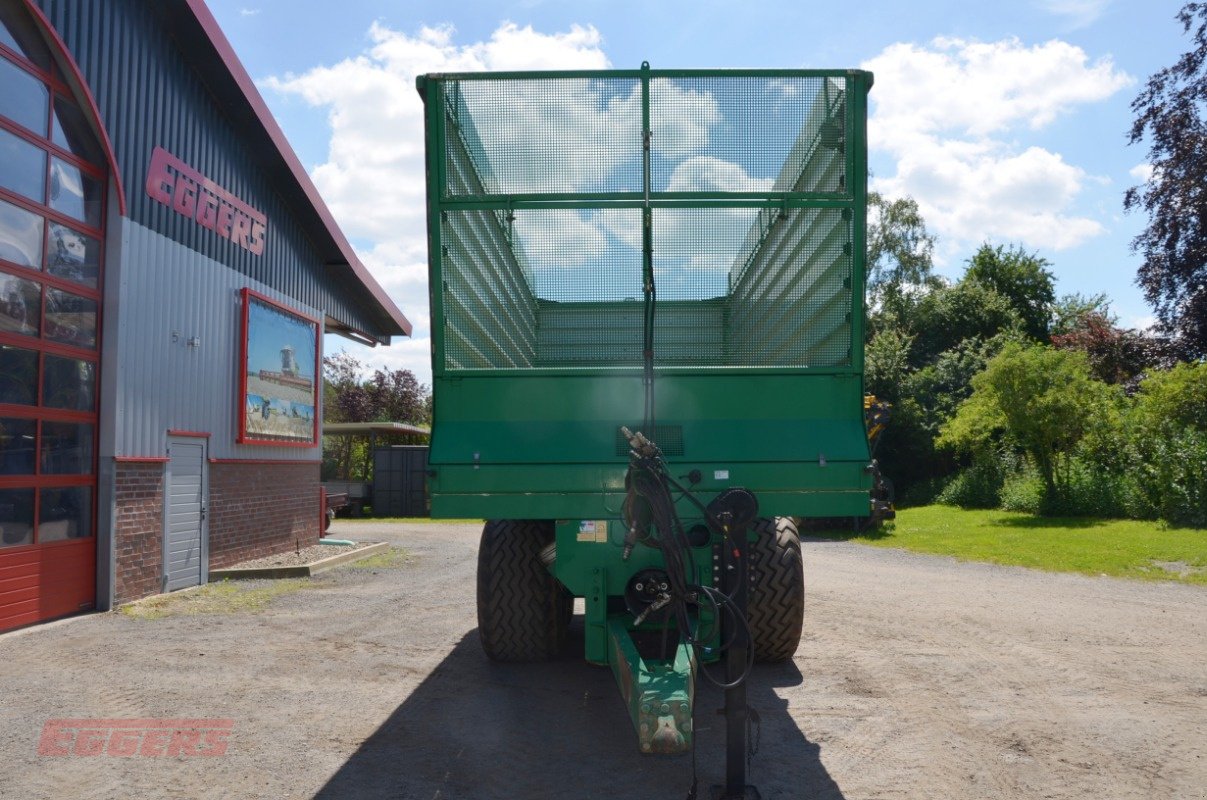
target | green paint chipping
[
  {"x": 226, "y": 597},
  {"x": 394, "y": 558},
  {"x": 1120, "y": 548}
]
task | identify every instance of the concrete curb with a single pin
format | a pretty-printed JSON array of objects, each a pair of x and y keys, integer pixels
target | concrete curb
[{"x": 302, "y": 570}]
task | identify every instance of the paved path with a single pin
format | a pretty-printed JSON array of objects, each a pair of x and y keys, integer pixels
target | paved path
[{"x": 918, "y": 677}]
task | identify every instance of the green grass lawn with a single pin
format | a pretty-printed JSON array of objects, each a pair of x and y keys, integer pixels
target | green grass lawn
[{"x": 1123, "y": 548}]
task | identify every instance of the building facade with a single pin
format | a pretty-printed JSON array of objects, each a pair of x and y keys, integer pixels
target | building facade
[{"x": 167, "y": 273}]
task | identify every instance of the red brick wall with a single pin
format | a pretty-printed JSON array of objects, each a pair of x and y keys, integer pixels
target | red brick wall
[
  {"x": 139, "y": 530},
  {"x": 261, "y": 509}
]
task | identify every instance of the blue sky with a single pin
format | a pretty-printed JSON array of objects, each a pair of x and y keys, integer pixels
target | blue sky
[{"x": 1006, "y": 121}]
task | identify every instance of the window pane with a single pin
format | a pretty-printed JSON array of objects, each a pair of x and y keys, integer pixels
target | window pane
[
  {"x": 68, "y": 383},
  {"x": 66, "y": 448},
  {"x": 17, "y": 446},
  {"x": 23, "y": 98},
  {"x": 71, "y": 131},
  {"x": 65, "y": 514},
  {"x": 70, "y": 319},
  {"x": 20, "y": 305},
  {"x": 18, "y": 32},
  {"x": 20, "y": 236},
  {"x": 73, "y": 255},
  {"x": 16, "y": 517},
  {"x": 22, "y": 167},
  {"x": 75, "y": 194},
  {"x": 18, "y": 376}
]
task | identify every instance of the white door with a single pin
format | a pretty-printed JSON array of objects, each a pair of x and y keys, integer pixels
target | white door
[{"x": 186, "y": 495}]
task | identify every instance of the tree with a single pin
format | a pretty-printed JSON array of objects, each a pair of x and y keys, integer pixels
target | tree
[
  {"x": 1069, "y": 309},
  {"x": 945, "y": 317},
  {"x": 900, "y": 249},
  {"x": 1116, "y": 355},
  {"x": 1044, "y": 399},
  {"x": 1022, "y": 278},
  {"x": 1169, "y": 114},
  {"x": 386, "y": 396}
]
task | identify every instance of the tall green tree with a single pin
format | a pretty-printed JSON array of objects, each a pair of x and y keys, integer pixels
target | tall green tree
[
  {"x": 900, "y": 249},
  {"x": 1022, "y": 278},
  {"x": 1169, "y": 116}
]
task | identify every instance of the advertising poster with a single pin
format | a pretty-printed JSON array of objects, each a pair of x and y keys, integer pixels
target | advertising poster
[{"x": 280, "y": 366}]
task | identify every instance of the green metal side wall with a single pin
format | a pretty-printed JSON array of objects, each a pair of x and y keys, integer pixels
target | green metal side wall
[{"x": 537, "y": 297}]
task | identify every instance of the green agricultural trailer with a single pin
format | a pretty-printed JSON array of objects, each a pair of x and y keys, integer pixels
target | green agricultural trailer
[{"x": 647, "y": 356}]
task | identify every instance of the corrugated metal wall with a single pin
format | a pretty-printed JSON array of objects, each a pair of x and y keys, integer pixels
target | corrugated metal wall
[
  {"x": 149, "y": 96},
  {"x": 162, "y": 382}
]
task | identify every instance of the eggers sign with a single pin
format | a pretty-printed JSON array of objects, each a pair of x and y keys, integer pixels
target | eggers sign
[
  {"x": 177, "y": 185},
  {"x": 135, "y": 737}
]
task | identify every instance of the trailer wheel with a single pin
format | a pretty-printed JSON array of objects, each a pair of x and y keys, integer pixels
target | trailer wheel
[
  {"x": 522, "y": 609},
  {"x": 776, "y": 600}
]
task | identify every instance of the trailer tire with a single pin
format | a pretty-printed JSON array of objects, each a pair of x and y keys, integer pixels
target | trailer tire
[
  {"x": 522, "y": 609},
  {"x": 776, "y": 598}
]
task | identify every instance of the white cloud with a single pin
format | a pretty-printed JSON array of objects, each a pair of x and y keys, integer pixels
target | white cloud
[
  {"x": 953, "y": 114},
  {"x": 1142, "y": 172},
  {"x": 248, "y": 12},
  {"x": 1079, "y": 13},
  {"x": 373, "y": 177}
]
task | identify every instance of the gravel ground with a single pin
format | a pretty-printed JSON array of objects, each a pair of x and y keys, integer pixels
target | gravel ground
[
  {"x": 298, "y": 558},
  {"x": 918, "y": 677}
]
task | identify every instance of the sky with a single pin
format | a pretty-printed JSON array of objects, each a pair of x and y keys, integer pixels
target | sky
[{"x": 1007, "y": 122}]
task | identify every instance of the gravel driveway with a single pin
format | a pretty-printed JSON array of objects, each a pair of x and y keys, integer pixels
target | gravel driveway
[{"x": 918, "y": 677}]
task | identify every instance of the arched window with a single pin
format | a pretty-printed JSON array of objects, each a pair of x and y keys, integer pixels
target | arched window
[{"x": 52, "y": 209}]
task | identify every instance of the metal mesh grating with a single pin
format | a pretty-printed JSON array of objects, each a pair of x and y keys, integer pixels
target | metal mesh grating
[
  {"x": 529, "y": 283},
  {"x": 564, "y": 135},
  {"x": 736, "y": 134}
]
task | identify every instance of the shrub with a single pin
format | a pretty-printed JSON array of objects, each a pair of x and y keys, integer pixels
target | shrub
[{"x": 978, "y": 486}]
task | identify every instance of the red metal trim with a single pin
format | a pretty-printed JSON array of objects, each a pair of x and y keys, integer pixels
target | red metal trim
[
  {"x": 48, "y": 414},
  {"x": 196, "y": 434},
  {"x": 241, "y": 409},
  {"x": 141, "y": 459},
  {"x": 210, "y": 26},
  {"x": 322, "y": 510},
  {"x": 35, "y": 207},
  {"x": 35, "y": 274},
  {"x": 90, "y": 105},
  {"x": 24, "y": 63},
  {"x": 27, "y": 342},
  {"x": 265, "y": 461},
  {"x": 46, "y": 143},
  {"x": 33, "y": 546}
]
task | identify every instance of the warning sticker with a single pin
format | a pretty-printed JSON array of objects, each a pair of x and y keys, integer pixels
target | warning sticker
[{"x": 593, "y": 530}]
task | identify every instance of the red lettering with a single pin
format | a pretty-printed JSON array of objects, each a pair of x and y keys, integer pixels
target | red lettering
[
  {"x": 175, "y": 184},
  {"x": 207, "y": 213},
  {"x": 160, "y": 178},
  {"x": 124, "y": 741},
  {"x": 184, "y": 743},
  {"x": 242, "y": 230},
  {"x": 91, "y": 741},
  {"x": 56, "y": 740},
  {"x": 185, "y": 196},
  {"x": 153, "y": 742},
  {"x": 226, "y": 215},
  {"x": 256, "y": 242},
  {"x": 217, "y": 742}
]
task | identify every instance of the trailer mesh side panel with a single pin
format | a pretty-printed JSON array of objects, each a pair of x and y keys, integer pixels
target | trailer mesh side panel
[
  {"x": 565, "y": 135},
  {"x": 542, "y": 234}
]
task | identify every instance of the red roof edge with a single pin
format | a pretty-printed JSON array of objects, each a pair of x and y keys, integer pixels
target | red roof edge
[
  {"x": 82, "y": 86},
  {"x": 218, "y": 39}
]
